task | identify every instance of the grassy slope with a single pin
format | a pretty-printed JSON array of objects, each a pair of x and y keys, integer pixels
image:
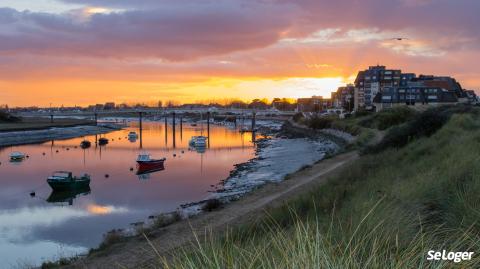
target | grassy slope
[{"x": 384, "y": 211}]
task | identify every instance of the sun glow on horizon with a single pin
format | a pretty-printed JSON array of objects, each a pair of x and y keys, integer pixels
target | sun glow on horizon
[{"x": 83, "y": 93}]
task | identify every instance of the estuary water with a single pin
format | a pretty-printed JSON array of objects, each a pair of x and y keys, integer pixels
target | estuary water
[{"x": 47, "y": 225}]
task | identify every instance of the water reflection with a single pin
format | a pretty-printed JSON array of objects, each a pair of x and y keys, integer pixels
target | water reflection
[
  {"x": 43, "y": 228},
  {"x": 61, "y": 197}
]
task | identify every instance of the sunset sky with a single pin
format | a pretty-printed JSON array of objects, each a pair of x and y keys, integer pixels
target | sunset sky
[{"x": 79, "y": 52}]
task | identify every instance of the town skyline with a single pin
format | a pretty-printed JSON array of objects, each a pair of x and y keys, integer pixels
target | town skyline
[{"x": 82, "y": 52}]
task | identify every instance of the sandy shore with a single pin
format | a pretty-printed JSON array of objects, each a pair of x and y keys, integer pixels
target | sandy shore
[
  {"x": 39, "y": 136},
  {"x": 137, "y": 253}
]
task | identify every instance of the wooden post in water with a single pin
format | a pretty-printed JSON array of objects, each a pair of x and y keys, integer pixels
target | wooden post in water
[
  {"x": 253, "y": 121},
  {"x": 181, "y": 127},
  {"x": 208, "y": 129},
  {"x": 51, "y": 118},
  {"x": 96, "y": 119},
  {"x": 141, "y": 128},
  {"x": 166, "y": 129},
  {"x": 173, "y": 126}
]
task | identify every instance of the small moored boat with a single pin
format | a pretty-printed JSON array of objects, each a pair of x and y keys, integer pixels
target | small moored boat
[
  {"x": 85, "y": 144},
  {"x": 17, "y": 156},
  {"x": 132, "y": 135},
  {"x": 102, "y": 141},
  {"x": 198, "y": 141},
  {"x": 63, "y": 180},
  {"x": 145, "y": 162}
]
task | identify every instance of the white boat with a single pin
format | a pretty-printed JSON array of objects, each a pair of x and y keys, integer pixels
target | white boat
[
  {"x": 17, "y": 156},
  {"x": 132, "y": 135},
  {"x": 198, "y": 141}
]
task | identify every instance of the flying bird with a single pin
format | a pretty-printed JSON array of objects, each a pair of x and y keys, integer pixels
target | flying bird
[{"x": 399, "y": 38}]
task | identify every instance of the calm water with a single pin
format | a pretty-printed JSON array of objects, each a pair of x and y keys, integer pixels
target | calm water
[{"x": 33, "y": 229}]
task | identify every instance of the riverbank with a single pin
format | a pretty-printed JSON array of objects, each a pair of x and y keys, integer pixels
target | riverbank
[
  {"x": 42, "y": 123},
  {"x": 54, "y": 133}
]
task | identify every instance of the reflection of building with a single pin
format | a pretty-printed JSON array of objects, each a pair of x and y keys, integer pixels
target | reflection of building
[{"x": 313, "y": 104}]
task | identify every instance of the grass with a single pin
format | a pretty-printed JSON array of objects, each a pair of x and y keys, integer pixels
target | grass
[{"x": 385, "y": 210}]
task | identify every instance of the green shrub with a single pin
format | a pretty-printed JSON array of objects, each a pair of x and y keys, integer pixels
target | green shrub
[
  {"x": 298, "y": 117},
  {"x": 6, "y": 117},
  {"x": 212, "y": 204},
  {"x": 388, "y": 118},
  {"x": 424, "y": 124},
  {"x": 317, "y": 122}
]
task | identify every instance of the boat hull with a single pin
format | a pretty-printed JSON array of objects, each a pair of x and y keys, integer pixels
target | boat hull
[{"x": 150, "y": 165}]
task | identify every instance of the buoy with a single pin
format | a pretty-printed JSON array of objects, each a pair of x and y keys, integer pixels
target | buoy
[
  {"x": 28, "y": 156},
  {"x": 56, "y": 151},
  {"x": 107, "y": 175},
  {"x": 75, "y": 147},
  {"x": 68, "y": 148},
  {"x": 131, "y": 168},
  {"x": 174, "y": 155},
  {"x": 43, "y": 153},
  {"x": 32, "y": 194},
  {"x": 183, "y": 151}
]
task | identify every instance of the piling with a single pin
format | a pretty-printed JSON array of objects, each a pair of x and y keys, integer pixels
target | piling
[
  {"x": 140, "y": 116},
  {"x": 253, "y": 121},
  {"x": 173, "y": 128}
]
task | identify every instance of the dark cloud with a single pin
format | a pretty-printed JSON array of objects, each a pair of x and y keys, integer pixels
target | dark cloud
[{"x": 168, "y": 33}]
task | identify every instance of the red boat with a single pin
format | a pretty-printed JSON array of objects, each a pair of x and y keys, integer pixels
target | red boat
[{"x": 145, "y": 163}]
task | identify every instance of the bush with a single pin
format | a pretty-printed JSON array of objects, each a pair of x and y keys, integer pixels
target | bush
[
  {"x": 388, "y": 118},
  {"x": 166, "y": 219},
  {"x": 298, "y": 117},
  {"x": 425, "y": 124},
  {"x": 211, "y": 205},
  {"x": 319, "y": 122},
  {"x": 6, "y": 117}
]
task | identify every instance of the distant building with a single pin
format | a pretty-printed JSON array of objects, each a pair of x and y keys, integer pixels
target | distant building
[
  {"x": 372, "y": 81},
  {"x": 413, "y": 96},
  {"x": 283, "y": 105},
  {"x": 344, "y": 97},
  {"x": 109, "y": 106},
  {"x": 313, "y": 104},
  {"x": 379, "y": 86}
]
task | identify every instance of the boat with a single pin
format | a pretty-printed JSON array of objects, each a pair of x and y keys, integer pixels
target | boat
[
  {"x": 102, "y": 141},
  {"x": 17, "y": 156},
  {"x": 132, "y": 135},
  {"x": 198, "y": 141},
  {"x": 63, "y": 181},
  {"x": 85, "y": 144},
  {"x": 145, "y": 162}
]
